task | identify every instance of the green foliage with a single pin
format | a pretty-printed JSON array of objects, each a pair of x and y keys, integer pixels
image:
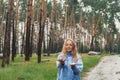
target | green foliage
[
  {"x": 4, "y": 8},
  {"x": 23, "y": 9},
  {"x": 49, "y": 9}
]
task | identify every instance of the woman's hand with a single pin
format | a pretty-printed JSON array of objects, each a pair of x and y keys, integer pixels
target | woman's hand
[
  {"x": 72, "y": 64},
  {"x": 61, "y": 61}
]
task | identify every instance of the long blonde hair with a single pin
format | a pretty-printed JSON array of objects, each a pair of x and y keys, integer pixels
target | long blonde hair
[{"x": 74, "y": 49}]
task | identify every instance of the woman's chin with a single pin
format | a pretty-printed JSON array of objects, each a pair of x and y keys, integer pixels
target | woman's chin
[{"x": 68, "y": 50}]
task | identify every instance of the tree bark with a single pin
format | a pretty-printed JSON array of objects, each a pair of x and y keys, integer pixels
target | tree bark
[
  {"x": 6, "y": 50},
  {"x": 13, "y": 33},
  {"x": 51, "y": 29},
  {"x": 13, "y": 42},
  {"x": 0, "y": 26},
  {"x": 28, "y": 30},
  {"x": 42, "y": 20},
  {"x": 40, "y": 37}
]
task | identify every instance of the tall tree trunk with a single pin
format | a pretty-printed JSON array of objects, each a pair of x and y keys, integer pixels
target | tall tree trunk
[
  {"x": 2, "y": 30},
  {"x": 6, "y": 38},
  {"x": 0, "y": 11},
  {"x": 80, "y": 28},
  {"x": 27, "y": 43},
  {"x": 118, "y": 41},
  {"x": 96, "y": 26},
  {"x": 40, "y": 37},
  {"x": 13, "y": 42},
  {"x": 32, "y": 29},
  {"x": 66, "y": 20},
  {"x": 42, "y": 19},
  {"x": 47, "y": 36},
  {"x": 95, "y": 32},
  {"x": 111, "y": 43},
  {"x": 0, "y": 26},
  {"x": 6, "y": 50},
  {"x": 91, "y": 45},
  {"x": 17, "y": 26},
  {"x": 13, "y": 34},
  {"x": 44, "y": 44},
  {"x": 23, "y": 41},
  {"x": 51, "y": 29}
]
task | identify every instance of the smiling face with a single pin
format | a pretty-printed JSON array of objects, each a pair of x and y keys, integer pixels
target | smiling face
[{"x": 69, "y": 46}]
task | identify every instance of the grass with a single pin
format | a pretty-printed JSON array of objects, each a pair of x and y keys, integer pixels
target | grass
[{"x": 21, "y": 70}]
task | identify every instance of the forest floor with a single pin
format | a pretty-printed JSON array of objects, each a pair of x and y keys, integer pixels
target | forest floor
[{"x": 107, "y": 69}]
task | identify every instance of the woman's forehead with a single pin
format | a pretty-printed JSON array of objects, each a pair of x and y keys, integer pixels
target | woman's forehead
[{"x": 69, "y": 42}]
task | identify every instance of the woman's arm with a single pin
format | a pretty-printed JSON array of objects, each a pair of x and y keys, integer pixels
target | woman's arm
[
  {"x": 78, "y": 66},
  {"x": 60, "y": 61}
]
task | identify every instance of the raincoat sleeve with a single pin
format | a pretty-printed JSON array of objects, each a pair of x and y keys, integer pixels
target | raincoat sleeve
[
  {"x": 79, "y": 66},
  {"x": 59, "y": 65}
]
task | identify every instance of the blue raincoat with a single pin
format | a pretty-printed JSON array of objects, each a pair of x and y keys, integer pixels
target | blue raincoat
[{"x": 66, "y": 72}]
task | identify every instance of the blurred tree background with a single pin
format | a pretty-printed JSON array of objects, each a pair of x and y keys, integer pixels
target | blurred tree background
[{"x": 41, "y": 26}]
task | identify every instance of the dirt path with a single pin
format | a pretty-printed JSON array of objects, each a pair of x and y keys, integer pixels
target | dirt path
[{"x": 107, "y": 69}]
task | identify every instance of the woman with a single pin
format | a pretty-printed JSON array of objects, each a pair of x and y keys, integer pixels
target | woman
[{"x": 69, "y": 62}]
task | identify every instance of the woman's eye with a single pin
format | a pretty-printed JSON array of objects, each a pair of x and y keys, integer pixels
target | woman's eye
[
  {"x": 66, "y": 45},
  {"x": 70, "y": 44}
]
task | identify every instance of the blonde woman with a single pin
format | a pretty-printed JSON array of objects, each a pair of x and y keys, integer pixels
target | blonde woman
[{"x": 69, "y": 62}]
